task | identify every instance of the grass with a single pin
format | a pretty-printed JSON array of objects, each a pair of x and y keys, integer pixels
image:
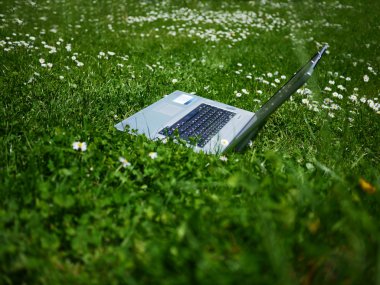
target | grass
[{"x": 300, "y": 206}]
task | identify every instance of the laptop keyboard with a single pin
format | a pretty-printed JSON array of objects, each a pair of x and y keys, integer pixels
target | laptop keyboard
[{"x": 202, "y": 123}]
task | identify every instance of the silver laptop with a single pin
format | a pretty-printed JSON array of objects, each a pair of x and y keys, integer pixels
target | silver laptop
[{"x": 207, "y": 125}]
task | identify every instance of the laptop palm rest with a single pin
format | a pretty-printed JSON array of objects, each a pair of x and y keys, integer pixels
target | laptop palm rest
[{"x": 150, "y": 121}]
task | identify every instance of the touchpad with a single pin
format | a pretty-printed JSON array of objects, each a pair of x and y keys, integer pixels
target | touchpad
[{"x": 168, "y": 109}]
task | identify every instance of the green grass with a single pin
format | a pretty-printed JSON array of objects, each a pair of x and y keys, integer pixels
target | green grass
[{"x": 288, "y": 210}]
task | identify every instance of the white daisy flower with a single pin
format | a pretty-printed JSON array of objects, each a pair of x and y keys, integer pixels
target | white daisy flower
[
  {"x": 164, "y": 140},
  {"x": 223, "y": 158},
  {"x": 353, "y": 98},
  {"x": 307, "y": 91},
  {"x": 366, "y": 78},
  {"x": 244, "y": 91},
  {"x": 224, "y": 142},
  {"x": 335, "y": 107},
  {"x": 341, "y": 87},
  {"x": 124, "y": 162},
  {"x": 82, "y": 146},
  {"x": 337, "y": 95},
  {"x": 153, "y": 155}
]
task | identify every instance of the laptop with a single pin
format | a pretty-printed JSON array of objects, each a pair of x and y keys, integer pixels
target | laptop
[{"x": 207, "y": 125}]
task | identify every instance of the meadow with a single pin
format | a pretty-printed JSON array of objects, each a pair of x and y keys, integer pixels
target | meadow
[{"x": 82, "y": 203}]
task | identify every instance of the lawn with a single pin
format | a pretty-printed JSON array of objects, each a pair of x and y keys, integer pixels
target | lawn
[{"x": 82, "y": 203}]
